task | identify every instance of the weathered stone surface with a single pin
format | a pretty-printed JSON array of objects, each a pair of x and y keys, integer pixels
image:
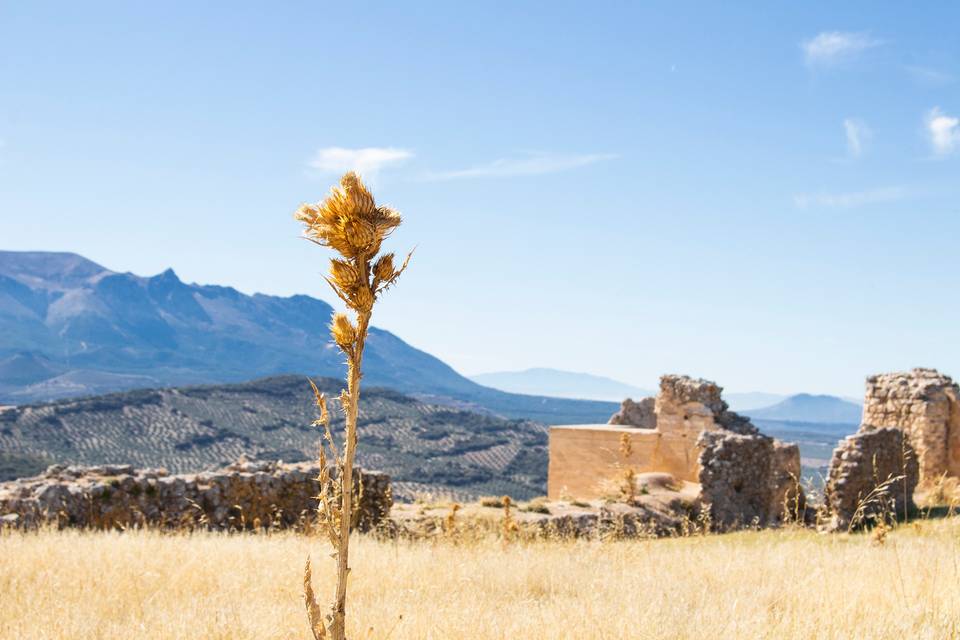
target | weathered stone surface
[
  {"x": 862, "y": 476},
  {"x": 585, "y": 460},
  {"x": 636, "y": 414},
  {"x": 242, "y": 495},
  {"x": 924, "y": 404},
  {"x": 749, "y": 479},
  {"x": 695, "y": 404}
]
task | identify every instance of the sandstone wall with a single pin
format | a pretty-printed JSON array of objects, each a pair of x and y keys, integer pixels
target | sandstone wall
[
  {"x": 243, "y": 495},
  {"x": 749, "y": 479},
  {"x": 926, "y": 406},
  {"x": 586, "y": 462},
  {"x": 859, "y": 470}
]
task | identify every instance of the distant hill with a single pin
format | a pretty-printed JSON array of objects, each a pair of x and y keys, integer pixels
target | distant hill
[
  {"x": 816, "y": 440},
  {"x": 561, "y": 384},
  {"x": 70, "y": 327},
  {"x": 808, "y": 408},
  {"x": 425, "y": 447},
  {"x": 744, "y": 401}
]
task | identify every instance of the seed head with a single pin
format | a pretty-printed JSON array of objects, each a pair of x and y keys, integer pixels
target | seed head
[
  {"x": 345, "y": 275},
  {"x": 360, "y": 234},
  {"x": 348, "y": 220},
  {"x": 361, "y": 299},
  {"x": 383, "y": 268},
  {"x": 343, "y": 331}
]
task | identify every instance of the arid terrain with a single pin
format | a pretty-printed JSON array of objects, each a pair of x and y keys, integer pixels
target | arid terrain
[{"x": 789, "y": 583}]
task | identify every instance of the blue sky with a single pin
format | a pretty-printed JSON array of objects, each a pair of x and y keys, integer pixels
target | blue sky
[{"x": 765, "y": 195}]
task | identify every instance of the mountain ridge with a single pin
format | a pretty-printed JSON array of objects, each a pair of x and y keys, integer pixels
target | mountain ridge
[
  {"x": 82, "y": 329},
  {"x": 557, "y": 383}
]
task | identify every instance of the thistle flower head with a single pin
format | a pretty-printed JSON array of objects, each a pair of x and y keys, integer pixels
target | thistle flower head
[
  {"x": 383, "y": 268},
  {"x": 361, "y": 299},
  {"x": 345, "y": 275},
  {"x": 348, "y": 220},
  {"x": 343, "y": 331}
]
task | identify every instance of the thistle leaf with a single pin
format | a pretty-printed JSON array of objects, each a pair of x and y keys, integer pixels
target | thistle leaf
[{"x": 314, "y": 614}]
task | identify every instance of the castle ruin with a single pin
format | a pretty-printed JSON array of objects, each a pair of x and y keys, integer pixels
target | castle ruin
[
  {"x": 688, "y": 432},
  {"x": 925, "y": 405}
]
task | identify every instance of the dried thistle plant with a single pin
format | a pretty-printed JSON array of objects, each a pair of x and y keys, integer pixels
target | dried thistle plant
[{"x": 349, "y": 222}]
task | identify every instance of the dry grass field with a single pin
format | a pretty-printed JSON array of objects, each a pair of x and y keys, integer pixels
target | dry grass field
[{"x": 768, "y": 584}]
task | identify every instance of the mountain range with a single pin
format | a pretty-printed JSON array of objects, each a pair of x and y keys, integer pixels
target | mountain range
[
  {"x": 801, "y": 407},
  {"x": 70, "y": 327},
  {"x": 555, "y": 383}
]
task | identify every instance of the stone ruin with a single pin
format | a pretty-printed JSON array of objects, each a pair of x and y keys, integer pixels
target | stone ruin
[
  {"x": 689, "y": 433},
  {"x": 244, "y": 495},
  {"x": 750, "y": 479},
  {"x": 909, "y": 439},
  {"x": 910, "y": 432},
  {"x": 925, "y": 405},
  {"x": 873, "y": 474}
]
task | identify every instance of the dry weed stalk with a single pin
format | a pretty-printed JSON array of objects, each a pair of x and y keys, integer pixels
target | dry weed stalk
[
  {"x": 349, "y": 222},
  {"x": 628, "y": 489},
  {"x": 876, "y": 505},
  {"x": 508, "y": 525}
]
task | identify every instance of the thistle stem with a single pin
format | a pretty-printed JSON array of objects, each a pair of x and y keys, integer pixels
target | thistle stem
[{"x": 338, "y": 630}]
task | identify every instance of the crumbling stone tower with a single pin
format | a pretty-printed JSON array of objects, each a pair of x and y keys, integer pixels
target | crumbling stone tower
[{"x": 925, "y": 405}]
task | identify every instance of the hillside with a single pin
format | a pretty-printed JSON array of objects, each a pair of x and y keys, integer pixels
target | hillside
[
  {"x": 805, "y": 407},
  {"x": 425, "y": 447},
  {"x": 70, "y": 327}
]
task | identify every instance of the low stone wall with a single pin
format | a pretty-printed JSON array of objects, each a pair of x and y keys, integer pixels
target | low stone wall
[
  {"x": 242, "y": 495},
  {"x": 860, "y": 474},
  {"x": 749, "y": 479}
]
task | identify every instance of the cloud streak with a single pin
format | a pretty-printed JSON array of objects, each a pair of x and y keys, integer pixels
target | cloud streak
[
  {"x": 858, "y": 135},
  {"x": 367, "y": 160},
  {"x": 928, "y": 76},
  {"x": 529, "y": 165},
  {"x": 829, "y": 47},
  {"x": 850, "y": 200},
  {"x": 944, "y": 132}
]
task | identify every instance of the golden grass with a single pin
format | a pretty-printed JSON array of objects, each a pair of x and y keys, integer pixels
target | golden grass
[{"x": 768, "y": 584}]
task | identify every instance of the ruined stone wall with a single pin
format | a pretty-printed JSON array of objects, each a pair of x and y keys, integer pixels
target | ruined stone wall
[
  {"x": 243, "y": 495},
  {"x": 926, "y": 406},
  {"x": 861, "y": 473},
  {"x": 636, "y": 414},
  {"x": 585, "y": 460},
  {"x": 749, "y": 479}
]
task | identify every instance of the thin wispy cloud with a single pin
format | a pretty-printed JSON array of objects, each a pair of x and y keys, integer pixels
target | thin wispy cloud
[
  {"x": 928, "y": 76},
  {"x": 829, "y": 47},
  {"x": 529, "y": 165},
  {"x": 850, "y": 200},
  {"x": 858, "y": 136},
  {"x": 944, "y": 132},
  {"x": 368, "y": 161}
]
